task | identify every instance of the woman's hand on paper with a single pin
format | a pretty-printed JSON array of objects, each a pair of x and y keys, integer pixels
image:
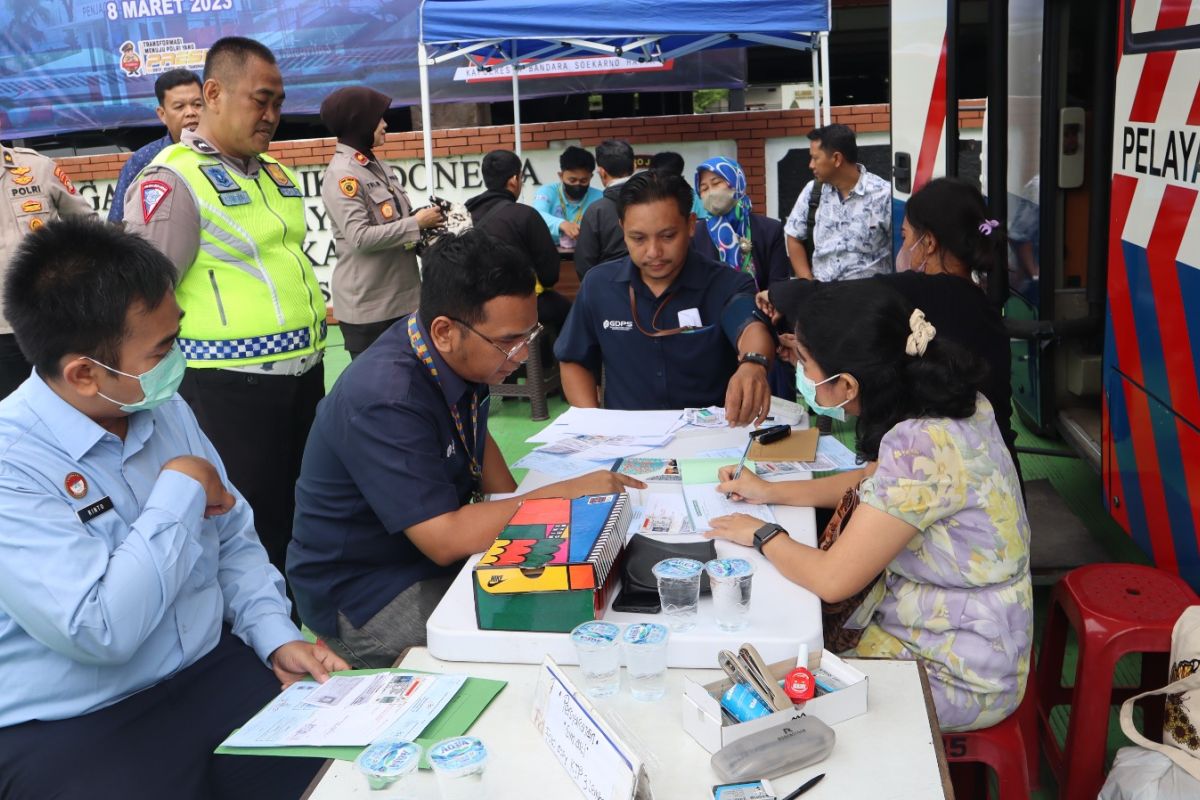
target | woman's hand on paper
[
  {"x": 747, "y": 486},
  {"x": 736, "y": 528},
  {"x": 296, "y": 660}
]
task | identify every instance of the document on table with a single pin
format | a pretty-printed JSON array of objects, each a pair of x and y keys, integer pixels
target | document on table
[
  {"x": 349, "y": 710},
  {"x": 659, "y": 512},
  {"x": 594, "y": 447},
  {"x": 649, "y": 470},
  {"x": 585, "y": 421},
  {"x": 559, "y": 466},
  {"x": 704, "y": 502}
]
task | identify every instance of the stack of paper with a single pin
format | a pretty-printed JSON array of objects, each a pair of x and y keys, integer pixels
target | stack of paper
[{"x": 704, "y": 502}]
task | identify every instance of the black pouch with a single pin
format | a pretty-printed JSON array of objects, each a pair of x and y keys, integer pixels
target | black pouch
[{"x": 639, "y": 588}]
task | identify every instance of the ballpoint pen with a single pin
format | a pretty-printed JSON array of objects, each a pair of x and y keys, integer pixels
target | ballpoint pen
[
  {"x": 804, "y": 787},
  {"x": 737, "y": 473}
]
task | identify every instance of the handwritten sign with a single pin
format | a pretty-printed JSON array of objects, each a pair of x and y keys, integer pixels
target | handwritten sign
[{"x": 597, "y": 761}]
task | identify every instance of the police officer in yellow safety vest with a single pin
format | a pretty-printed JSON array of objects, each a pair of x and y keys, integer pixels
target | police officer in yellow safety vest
[
  {"x": 231, "y": 219},
  {"x": 33, "y": 191}
]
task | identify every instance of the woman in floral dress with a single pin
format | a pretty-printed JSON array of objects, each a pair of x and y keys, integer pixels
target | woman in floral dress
[{"x": 938, "y": 545}]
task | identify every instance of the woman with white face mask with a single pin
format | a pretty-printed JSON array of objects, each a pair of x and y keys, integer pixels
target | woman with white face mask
[
  {"x": 946, "y": 230},
  {"x": 733, "y": 234},
  {"x": 927, "y": 556}
]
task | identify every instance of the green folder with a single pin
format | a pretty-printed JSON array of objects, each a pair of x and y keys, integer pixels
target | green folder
[
  {"x": 702, "y": 470},
  {"x": 455, "y": 719}
]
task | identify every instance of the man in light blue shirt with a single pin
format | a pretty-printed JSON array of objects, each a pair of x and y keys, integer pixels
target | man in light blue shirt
[
  {"x": 562, "y": 204},
  {"x": 140, "y": 620}
]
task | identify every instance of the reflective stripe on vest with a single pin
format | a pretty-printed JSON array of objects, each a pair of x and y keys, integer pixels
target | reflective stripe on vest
[{"x": 251, "y": 295}]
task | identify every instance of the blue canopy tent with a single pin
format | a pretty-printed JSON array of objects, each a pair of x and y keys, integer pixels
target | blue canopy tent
[{"x": 518, "y": 34}]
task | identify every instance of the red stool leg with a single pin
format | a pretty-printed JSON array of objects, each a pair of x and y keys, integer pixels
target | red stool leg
[
  {"x": 1087, "y": 730},
  {"x": 1047, "y": 678}
]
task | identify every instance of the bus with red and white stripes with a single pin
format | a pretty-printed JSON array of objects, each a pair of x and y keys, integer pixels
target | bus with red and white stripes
[{"x": 1090, "y": 155}]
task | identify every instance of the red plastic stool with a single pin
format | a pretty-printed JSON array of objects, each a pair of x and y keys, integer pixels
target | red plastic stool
[
  {"x": 1115, "y": 609},
  {"x": 1010, "y": 747}
]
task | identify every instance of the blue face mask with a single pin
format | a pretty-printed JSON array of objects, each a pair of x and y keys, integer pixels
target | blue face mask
[
  {"x": 159, "y": 383},
  {"x": 808, "y": 390}
]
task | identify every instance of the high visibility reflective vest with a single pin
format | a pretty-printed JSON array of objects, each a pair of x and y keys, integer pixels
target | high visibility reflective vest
[{"x": 251, "y": 295}]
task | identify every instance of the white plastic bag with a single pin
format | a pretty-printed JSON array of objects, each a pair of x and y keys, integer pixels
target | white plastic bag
[{"x": 1141, "y": 774}]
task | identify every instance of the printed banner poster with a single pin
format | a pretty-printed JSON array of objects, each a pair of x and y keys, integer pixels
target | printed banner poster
[{"x": 72, "y": 65}]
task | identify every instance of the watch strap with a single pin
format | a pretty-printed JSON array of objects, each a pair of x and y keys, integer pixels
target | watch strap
[
  {"x": 754, "y": 358},
  {"x": 765, "y": 534}
]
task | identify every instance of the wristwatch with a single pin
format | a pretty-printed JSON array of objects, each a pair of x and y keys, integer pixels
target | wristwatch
[
  {"x": 754, "y": 358},
  {"x": 765, "y": 534}
]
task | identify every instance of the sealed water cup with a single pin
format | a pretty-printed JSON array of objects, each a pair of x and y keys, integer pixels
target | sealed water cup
[
  {"x": 730, "y": 581},
  {"x": 459, "y": 764},
  {"x": 645, "y": 645},
  {"x": 679, "y": 590},
  {"x": 385, "y": 763},
  {"x": 598, "y": 648}
]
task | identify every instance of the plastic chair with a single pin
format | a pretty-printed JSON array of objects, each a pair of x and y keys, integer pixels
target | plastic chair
[
  {"x": 1010, "y": 747},
  {"x": 1115, "y": 609},
  {"x": 540, "y": 381}
]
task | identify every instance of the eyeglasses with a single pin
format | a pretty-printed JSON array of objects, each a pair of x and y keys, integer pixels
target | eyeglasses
[{"x": 527, "y": 341}]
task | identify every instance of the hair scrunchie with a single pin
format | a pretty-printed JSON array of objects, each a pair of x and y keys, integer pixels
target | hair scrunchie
[{"x": 922, "y": 334}]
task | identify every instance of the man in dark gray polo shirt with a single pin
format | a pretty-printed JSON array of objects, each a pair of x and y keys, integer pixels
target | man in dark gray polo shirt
[{"x": 389, "y": 500}]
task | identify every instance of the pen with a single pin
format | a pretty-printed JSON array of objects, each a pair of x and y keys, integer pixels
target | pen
[
  {"x": 737, "y": 473},
  {"x": 804, "y": 787}
]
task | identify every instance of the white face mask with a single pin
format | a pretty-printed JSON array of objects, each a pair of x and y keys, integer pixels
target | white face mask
[{"x": 904, "y": 257}]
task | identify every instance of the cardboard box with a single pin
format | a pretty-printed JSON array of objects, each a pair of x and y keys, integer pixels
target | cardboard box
[
  {"x": 553, "y": 566},
  {"x": 702, "y": 716}
]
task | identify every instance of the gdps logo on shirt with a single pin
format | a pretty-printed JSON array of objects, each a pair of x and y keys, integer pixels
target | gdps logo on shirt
[{"x": 618, "y": 325}]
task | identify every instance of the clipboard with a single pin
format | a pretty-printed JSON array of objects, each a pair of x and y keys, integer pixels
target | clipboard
[{"x": 799, "y": 446}]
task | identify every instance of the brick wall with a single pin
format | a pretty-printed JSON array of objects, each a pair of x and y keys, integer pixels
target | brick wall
[{"x": 750, "y": 129}]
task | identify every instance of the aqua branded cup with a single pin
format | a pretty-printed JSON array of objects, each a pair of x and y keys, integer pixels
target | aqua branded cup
[
  {"x": 645, "y": 645},
  {"x": 679, "y": 591},
  {"x": 598, "y": 647},
  {"x": 730, "y": 580},
  {"x": 388, "y": 764},
  {"x": 459, "y": 764}
]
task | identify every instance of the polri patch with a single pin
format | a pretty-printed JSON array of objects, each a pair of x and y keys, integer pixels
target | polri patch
[
  {"x": 76, "y": 485},
  {"x": 153, "y": 193},
  {"x": 235, "y": 199},
  {"x": 95, "y": 509},
  {"x": 387, "y": 210},
  {"x": 219, "y": 177},
  {"x": 349, "y": 186}
]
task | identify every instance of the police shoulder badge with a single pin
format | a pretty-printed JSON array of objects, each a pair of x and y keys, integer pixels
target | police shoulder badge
[
  {"x": 76, "y": 485},
  {"x": 349, "y": 186},
  {"x": 61, "y": 174},
  {"x": 361, "y": 159},
  {"x": 153, "y": 193}
]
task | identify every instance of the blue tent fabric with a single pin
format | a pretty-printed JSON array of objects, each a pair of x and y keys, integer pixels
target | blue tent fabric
[{"x": 532, "y": 25}]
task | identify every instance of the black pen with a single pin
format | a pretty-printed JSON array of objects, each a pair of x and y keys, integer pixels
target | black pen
[{"x": 805, "y": 787}]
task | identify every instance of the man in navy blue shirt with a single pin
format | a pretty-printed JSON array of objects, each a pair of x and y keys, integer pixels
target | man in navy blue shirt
[
  {"x": 389, "y": 498},
  {"x": 179, "y": 104},
  {"x": 670, "y": 328}
]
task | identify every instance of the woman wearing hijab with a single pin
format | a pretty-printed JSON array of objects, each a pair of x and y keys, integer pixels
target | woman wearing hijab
[
  {"x": 733, "y": 234},
  {"x": 742, "y": 240},
  {"x": 375, "y": 230}
]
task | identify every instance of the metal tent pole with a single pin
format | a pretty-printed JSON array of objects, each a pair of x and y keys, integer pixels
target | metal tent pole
[{"x": 426, "y": 116}]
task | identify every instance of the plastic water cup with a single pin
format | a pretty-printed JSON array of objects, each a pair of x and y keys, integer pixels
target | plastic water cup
[
  {"x": 598, "y": 646},
  {"x": 389, "y": 763},
  {"x": 645, "y": 645},
  {"x": 679, "y": 591},
  {"x": 459, "y": 764},
  {"x": 730, "y": 580}
]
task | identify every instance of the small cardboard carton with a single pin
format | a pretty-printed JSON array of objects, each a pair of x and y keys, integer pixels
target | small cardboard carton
[{"x": 702, "y": 716}]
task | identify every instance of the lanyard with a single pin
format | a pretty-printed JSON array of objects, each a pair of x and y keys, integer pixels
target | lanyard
[
  {"x": 422, "y": 350},
  {"x": 563, "y": 199}
]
